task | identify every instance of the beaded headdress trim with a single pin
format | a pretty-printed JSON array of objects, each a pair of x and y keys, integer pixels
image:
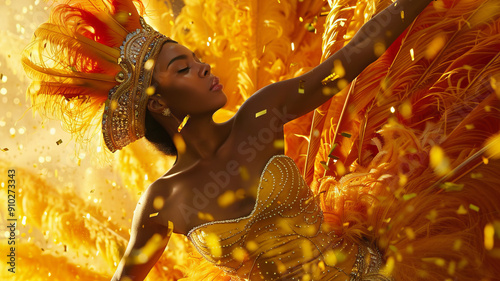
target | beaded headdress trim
[{"x": 123, "y": 120}]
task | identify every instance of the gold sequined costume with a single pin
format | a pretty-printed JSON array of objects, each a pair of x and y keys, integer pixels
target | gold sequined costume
[{"x": 285, "y": 237}]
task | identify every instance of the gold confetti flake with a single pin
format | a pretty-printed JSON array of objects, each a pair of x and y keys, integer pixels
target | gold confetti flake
[
  {"x": 153, "y": 214},
  {"x": 435, "y": 46},
  {"x": 213, "y": 244},
  {"x": 310, "y": 27},
  {"x": 342, "y": 83},
  {"x": 226, "y": 199},
  {"x": 389, "y": 266},
  {"x": 461, "y": 210},
  {"x": 239, "y": 254},
  {"x": 410, "y": 233},
  {"x": 437, "y": 261},
  {"x": 59, "y": 142},
  {"x": 329, "y": 91},
  {"x": 379, "y": 49},
  {"x": 450, "y": 186},
  {"x": 346, "y": 135},
  {"x": 338, "y": 68},
  {"x": 301, "y": 87},
  {"x": 183, "y": 123},
  {"x": 489, "y": 233},
  {"x": 409, "y": 196},
  {"x": 330, "y": 258},
  {"x": 476, "y": 175},
  {"x": 412, "y": 54},
  {"x": 179, "y": 143},
  {"x": 439, "y": 162},
  {"x": 244, "y": 173},
  {"x": 493, "y": 147},
  {"x": 260, "y": 113},
  {"x": 457, "y": 244},
  {"x": 158, "y": 202},
  {"x": 307, "y": 250},
  {"x": 329, "y": 78},
  {"x": 150, "y": 90},
  {"x": 279, "y": 144},
  {"x": 474, "y": 207},
  {"x": 469, "y": 126},
  {"x": 114, "y": 105},
  {"x": 341, "y": 170},
  {"x": 205, "y": 216},
  {"x": 451, "y": 268},
  {"x": 402, "y": 15},
  {"x": 432, "y": 215},
  {"x": 149, "y": 64},
  {"x": 403, "y": 179},
  {"x": 5, "y": 149},
  {"x": 252, "y": 246},
  {"x": 406, "y": 109},
  {"x": 325, "y": 166},
  {"x": 495, "y": 84}
]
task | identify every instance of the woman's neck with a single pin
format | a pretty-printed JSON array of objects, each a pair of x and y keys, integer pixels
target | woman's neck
[{"x": 202, "y": 139}]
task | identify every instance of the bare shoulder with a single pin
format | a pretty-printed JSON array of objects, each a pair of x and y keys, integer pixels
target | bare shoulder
[{"x": 152, "y": 205}]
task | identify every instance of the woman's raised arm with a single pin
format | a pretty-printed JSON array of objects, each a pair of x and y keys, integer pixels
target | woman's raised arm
[
  {"x": 347, "y": 64},
  {"x": 148, "y": 238}
]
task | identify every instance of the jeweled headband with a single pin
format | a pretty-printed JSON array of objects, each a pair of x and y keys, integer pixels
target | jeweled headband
[
  {"x": 93, "y": 56},
  {"x": 123, "y": 121}
]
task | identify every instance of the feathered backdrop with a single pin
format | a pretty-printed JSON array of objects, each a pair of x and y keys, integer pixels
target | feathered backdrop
[{"x": 427, "y": 111}]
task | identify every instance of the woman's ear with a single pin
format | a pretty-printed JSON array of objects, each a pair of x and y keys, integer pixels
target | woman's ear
[{"x": 156, "y": 104}]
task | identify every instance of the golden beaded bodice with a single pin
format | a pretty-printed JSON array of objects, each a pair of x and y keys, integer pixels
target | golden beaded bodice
[{"x": 285, "y": 237}]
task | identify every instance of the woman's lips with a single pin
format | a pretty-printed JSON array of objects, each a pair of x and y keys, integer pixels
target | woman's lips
[{"x": 215, "y": 84}]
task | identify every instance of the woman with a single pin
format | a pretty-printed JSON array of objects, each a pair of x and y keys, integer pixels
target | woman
[{"x": 276, "y": 229}]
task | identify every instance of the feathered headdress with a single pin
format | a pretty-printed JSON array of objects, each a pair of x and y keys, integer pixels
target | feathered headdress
[{"x": 94, "y": 58}]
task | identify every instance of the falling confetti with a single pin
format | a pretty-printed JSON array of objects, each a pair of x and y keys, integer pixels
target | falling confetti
[
  {"x": 59, "y": 142},
  {"x": 439, "y": 162},
  {"x": 329, "y": 78},
  {"x": 489, "y": 233},
  {"x": 260, "y": 113},
  {"x": 461, "y": 210},
  {"x": 435, "y": 46},
  {"x": 493, "y": 147},
  {"x": 158, "y": 202},
  {"x": 226, "y": 199},
  {"x": 183, "y": 123},
  {"x": 379, "y": 49},
  {"x": 330, "y": 258},
  {"x": 212, "y": 241},
  {"x": 301, "y": 87},
  {"x": 409, "y": 196},
  {"x": 244, "y": 173},
  {"x": 450, "y": 186},
  {"x": 239, "y": 254},
  {"x": 179, "y": 143},
  {"x": 474, "y": 207},
  {"x": 150, "y": 90}
]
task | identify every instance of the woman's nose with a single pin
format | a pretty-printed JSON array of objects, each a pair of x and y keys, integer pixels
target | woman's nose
[{"x": 204, "y": 70}]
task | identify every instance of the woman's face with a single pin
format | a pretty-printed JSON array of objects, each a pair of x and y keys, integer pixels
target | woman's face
[{"x": 186, "y": 83}]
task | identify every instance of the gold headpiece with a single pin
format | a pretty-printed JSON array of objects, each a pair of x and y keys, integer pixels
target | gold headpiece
[
  {"x": 94, "y": 59},
  {"x": 125, "y": 109}
]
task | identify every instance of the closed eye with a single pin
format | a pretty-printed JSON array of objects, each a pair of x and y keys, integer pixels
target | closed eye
[{"x": 186, "y": 69}]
